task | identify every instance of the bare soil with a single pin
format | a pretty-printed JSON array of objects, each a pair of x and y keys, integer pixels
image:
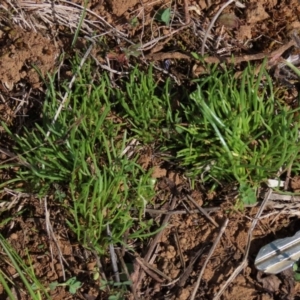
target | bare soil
[{"x": 260, "y": 28}]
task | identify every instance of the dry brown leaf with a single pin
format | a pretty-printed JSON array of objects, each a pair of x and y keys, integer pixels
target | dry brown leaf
[
  {"x": 270, "y": 282},
  {"x": 256, "y": 13}
]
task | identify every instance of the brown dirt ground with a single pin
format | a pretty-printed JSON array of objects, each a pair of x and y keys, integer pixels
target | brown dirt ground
[{"x": 261, "y": 27}]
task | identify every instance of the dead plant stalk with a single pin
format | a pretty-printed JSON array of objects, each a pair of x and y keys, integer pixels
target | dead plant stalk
[
  {"x": 245, "y": 259},
  {"x": 216, "y": 242},
  {"x": 212, "y": 24}
]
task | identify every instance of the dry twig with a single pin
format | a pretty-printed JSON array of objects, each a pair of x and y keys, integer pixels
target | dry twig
[
  {"x": 155, "y": 241},
  {"x": 176, "y": 238},
  {"x": 113, "y": 256},
  {"x": 212, "y": 24},
  {"x": 183, "y": 278},
  {"x": 244, "y": 261},
  {"x": 125, "y": 270},
  {"x": 216, "y": 242},
  {"x": 151, "y": 270},
  {"x": 187, "y": 13},
  {"x": 203, "y": 211},
  {"x": 53, "y": 238},
  {"x": 179, "y": 212},
  {"x": 272, "y": 57}
]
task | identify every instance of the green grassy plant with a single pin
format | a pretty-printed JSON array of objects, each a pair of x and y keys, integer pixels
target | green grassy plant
[
  {"x": 32, "y": 285},
  {"x": 293, "y": 68},
  {"x": 82, "y": 162},
  {"x": 236, "y": 129},
  {"x": 229, "y": 130},
  {"x": 82, "y": 17},
  {"x": 144, "y": 106},
  {"x": 84, "y": 156}
]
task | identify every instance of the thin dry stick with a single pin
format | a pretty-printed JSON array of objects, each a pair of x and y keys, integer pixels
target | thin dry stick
[
  {"x": 146, "y": 266},
  {"x": 64, "y": 15},
  {"x": 125, "y": 270},
  {"x": 177, "y": 212},
  {"x": 203, "y": 211},
  {"x": 279, "y": 213},
  {"x": 187, "y": 13},
  {"x": 69, "y": 88},
  {"x": 20, "y": 16},
  {"x": 143, "y": 25},
  {"x": 212, "y": 24},
  {"x": 100, "y": 268},
  {"x": 283, "y": 197},
  {"x": 216, "y": 242},
  {"x": 185, "y": 206},
  {"x": 156, "y": 239},
  {"x": 168, "y": 55},
  {"x": 152, "y": 274},
  {"x": 231, "y": 60},
  {"x": 107, "y": 68},
  {"x": 52, "y": 236},
  {"x": 159, "y": 234},
  {"x": 153, "y": 42},
  {"x": 13, "y": 156},
  {"x": 244, "y": 262},
  {"x": 121, "y": 34},
  {"x": 113, "y": 256},
  {"x": 186, "y": 274},
  {"x": 288, "y": 176},
  {"x": 176, "y": 238}
]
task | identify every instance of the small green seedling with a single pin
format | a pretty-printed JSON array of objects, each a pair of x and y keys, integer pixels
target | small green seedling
[
  {"x": 247, "y": 193},
  {"x": 120, "y": 286},
  {"x": 164, "y": 15},
  {"x": 118, "y": 296},
  {"x": 133, "y": 50},
  {"x": 105, "y": 284},
  {"x": 72, "y": 283},
  {"x": 134, "y": 22},
  {"x": 296, "y": 269}
]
